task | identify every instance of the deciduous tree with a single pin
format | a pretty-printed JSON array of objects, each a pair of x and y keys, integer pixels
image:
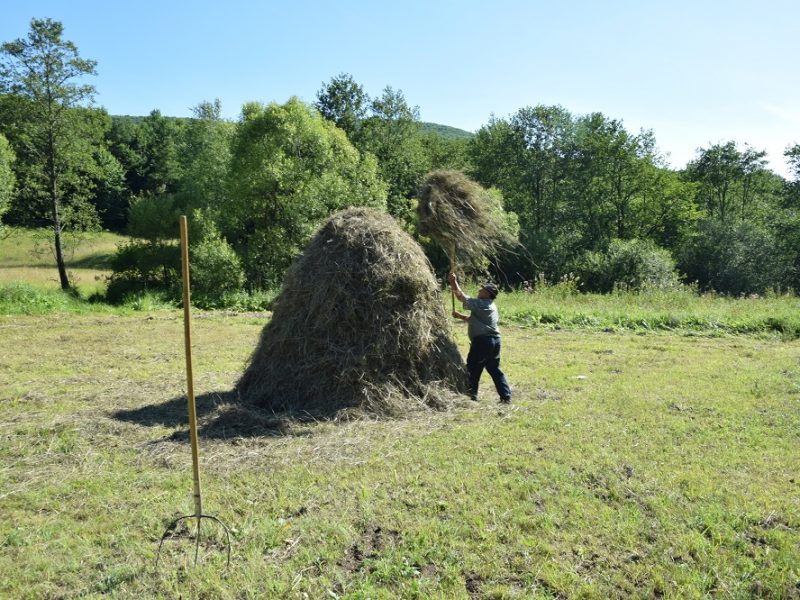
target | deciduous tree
[
  {"x": 391, "y": 133},
  {"x": 343, "y": 102},
  {"x": 46, "y": 70},
  {"x": 290, "y": 169}
]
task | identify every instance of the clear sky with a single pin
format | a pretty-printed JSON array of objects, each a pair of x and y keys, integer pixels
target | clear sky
[{"x": 696, "y": 72}]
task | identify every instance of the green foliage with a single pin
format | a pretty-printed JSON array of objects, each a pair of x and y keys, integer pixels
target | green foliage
[
  {"x": 22, "y": 298},
  {"x": 205, "y": 159},
  {"x": 290, "y": 169},
  {"x": 445, "y": 153},
  {"x": 111, "y": 198},
  {"x": 733, "y": 258},
  {"x": 140, "y": 266},
  {"x": 578, "y": 182},
  {"x": 444, "y": 132},
  {"x": 216, "y": 271},
  {"x": 391, "y": 133},
  {"x": 627, "y": 264},
  {"x": 729, "y": 180},
  {"x": 7, "y": 178},
  {"x": 154, "y": 217},
  {"x": 153, "y": 264},
  {"x": 343, "y": 102}
]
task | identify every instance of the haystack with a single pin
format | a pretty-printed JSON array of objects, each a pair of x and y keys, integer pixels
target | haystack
[
  {"x": 461, "y": 215},
  {"x": 359, "y": 326}
]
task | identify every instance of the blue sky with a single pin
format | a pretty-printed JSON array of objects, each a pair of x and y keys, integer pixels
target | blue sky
[{"x": 695, "y": 72}]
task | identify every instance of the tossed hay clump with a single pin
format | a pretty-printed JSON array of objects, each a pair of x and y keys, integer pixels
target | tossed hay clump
[
  {"x": 467, "y": 220},
  {"x": 359, "y": 327}
]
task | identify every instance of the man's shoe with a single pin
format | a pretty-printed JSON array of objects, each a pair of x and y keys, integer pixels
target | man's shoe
[{"x": 505, "y": 400}]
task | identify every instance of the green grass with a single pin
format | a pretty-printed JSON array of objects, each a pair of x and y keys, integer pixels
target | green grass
[
  {"x": 26, "y": 256},
  {"x": 681, "y": 311},
  {"x": 631, "y": 464}
]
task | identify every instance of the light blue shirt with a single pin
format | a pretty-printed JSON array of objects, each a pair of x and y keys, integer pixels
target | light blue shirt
[{"x": 483, "y": 317}]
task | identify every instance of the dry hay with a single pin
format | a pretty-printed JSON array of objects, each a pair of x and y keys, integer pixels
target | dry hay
[
  {"x": 358, "y": 327},
  {"x": 458, "y": 213}
]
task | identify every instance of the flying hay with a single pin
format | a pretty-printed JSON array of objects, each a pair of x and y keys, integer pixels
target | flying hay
[
  {"x": 359, "y": 327},
  {"x": 458, "y": 213}
]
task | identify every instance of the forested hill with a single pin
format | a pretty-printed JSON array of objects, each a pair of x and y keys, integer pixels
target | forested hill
[{"x": 445, "y": 131}]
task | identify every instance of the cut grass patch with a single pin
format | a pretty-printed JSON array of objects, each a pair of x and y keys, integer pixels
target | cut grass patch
[
  {"x": 26, "y": 256},
  {"x": 628, "y": 465}
]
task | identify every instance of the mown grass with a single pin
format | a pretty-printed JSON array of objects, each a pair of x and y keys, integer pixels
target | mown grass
[
  {"x": 26, "y": 255},
  {"x": 630, "y": 465}
]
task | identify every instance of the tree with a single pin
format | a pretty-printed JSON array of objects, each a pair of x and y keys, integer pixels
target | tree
[
  {"x": 7, "y": 179},
  {"x": 343, "y": 102},
  {"x": 391, "y": 133},
  {"x": 792, "y": 155},
  {"x": 728, "y": 179},
  {"x": 442, "y": 153},
  {"x": 541, "y": 137},
  {"x": 44, "y": 69},
  {"x": 290, "y": 169},
  {"x": 205, "y": 159},
  {"x": 792, "y": 192}
]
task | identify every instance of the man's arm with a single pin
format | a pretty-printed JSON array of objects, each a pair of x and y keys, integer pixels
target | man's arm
[
  {"x": 455, "y": 287},
  {"x": 458, "y": 315}
]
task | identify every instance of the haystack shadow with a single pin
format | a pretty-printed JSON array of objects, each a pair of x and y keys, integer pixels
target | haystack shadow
[{"x": 220, "y": 415}]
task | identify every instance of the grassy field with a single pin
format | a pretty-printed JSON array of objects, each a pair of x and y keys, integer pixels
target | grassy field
[
  {"x": 632, "y": 463},
  {"x": 26, "y": 255}
]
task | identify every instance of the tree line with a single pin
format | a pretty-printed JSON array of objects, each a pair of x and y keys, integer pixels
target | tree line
[{"x": 596, "y": 203}]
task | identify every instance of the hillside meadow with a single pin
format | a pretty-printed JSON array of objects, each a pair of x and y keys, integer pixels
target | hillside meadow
[
  {"x": 26, "y": 255},
  {"x": 650, "y": 451}
]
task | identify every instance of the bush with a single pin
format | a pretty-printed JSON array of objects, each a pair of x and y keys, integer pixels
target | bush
[
  {"x": 141, "y": 266},
  {"x": 155, "y": 266},
  {"x": 733, "y": 258},
  {"x": 216, "y": 272},
  {"x": 627, "y": 264}
]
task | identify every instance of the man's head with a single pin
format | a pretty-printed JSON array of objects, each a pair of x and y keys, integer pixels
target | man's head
[{"x": 488, "y": 291}]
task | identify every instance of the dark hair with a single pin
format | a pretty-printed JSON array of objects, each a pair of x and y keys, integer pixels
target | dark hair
[{"x": 492, "y": 289}]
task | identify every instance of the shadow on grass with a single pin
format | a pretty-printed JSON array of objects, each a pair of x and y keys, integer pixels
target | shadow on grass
[
  {"x": 220, "y": 415},
  {"x": 98, "y": 261}
]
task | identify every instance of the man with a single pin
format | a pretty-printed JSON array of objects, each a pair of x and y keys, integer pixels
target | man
[{"x": 484, "y": 336}]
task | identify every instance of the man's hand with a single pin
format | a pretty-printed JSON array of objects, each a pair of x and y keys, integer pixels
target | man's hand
[
  {"x": 458, "y": 315},
  {"x": 455, "y": 287}
]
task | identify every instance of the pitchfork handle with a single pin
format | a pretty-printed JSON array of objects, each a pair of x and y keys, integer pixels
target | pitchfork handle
[{"x": 187, "y": 334}]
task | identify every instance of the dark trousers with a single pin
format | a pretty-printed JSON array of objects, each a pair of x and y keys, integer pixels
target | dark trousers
[{"x": 484, "y": 352}]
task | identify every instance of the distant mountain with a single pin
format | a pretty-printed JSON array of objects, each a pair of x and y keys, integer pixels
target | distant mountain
[{"x": 445, "y": 131}]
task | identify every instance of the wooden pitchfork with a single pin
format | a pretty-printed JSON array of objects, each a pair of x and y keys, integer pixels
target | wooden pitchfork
[{"x": 187, "y": 330}]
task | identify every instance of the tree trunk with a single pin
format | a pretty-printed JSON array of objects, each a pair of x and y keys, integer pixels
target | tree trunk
[
  {"x": 62, "y": 267},
  {"x": 51, "y": 167}
]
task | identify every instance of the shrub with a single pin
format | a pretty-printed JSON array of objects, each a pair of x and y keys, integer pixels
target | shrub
[
  {"x": 627, "y": 264},
  {"x": 733, "y": 258},
  {"x": 155, "y": 266},
  {"x": 216, "y": 272},
  {"x": 140, "y": 266}
]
